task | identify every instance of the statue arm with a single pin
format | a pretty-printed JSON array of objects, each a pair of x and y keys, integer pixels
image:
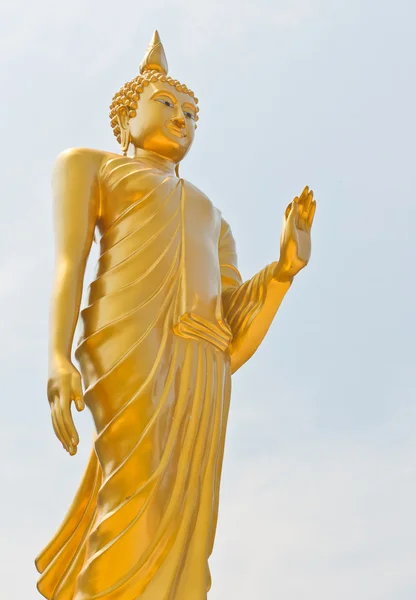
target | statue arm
[
  {"x": 249, "y": 307},
  {"x": 76, "y": 205},
  {"x": 250, "y": 310},
  {"x": 76, "y": 198}
]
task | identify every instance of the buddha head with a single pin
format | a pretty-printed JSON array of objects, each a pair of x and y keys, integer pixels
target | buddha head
[{"x": 153, "y": 111}]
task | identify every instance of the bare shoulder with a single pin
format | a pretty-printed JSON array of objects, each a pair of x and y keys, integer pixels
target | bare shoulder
[{"x": 82, "y": 159}]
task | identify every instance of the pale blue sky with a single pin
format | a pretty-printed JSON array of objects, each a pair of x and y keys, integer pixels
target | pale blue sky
[{"x": 319, "y": 481}]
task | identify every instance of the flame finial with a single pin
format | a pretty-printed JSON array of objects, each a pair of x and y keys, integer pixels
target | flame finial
[{"x": 155, "y": 57}]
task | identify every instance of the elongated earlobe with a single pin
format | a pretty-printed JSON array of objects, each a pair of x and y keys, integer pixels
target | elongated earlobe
[{"x": 123, "y": 123}]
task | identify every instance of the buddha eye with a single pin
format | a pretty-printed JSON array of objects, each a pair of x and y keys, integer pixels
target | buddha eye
[
  {"x": 165, "y": 101},
  {"x": 189, "y": 115}
]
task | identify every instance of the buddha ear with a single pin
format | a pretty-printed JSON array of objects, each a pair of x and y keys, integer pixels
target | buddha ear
[
  {"x": 122, "y": 117},
  {"x": 123, "y": 123}
]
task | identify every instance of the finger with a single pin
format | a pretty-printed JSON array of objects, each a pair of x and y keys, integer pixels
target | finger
[
  {"x": 64, "y": 400},
  {"x": 77, "y": 393},
  {"x": 293, "y": 216},
  {"x": 60, "y": 426},
  {"x": 311, "y": 214},
  {"x": 302, "y": 210},
  {"x": 305, "y": 192},
  {"x": 69, "y": 425},
  {"x": 55, "y": 423},
  {"x": 308, "y": 201},
  {"x": 63, "y": 425}
]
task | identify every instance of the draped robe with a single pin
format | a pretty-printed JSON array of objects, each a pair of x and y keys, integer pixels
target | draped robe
[{"x": 155, "y": 356}]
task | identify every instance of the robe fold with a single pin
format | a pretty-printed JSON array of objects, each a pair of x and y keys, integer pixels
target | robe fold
[{"x": 154, "y": 354}]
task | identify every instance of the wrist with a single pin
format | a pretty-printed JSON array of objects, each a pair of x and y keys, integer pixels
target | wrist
[
  {"x": 57, "y": 360},
  {"x": 282, "y": 273}
]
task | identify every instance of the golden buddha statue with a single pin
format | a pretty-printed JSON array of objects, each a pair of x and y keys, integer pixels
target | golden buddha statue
[{"x": 168, "y": 321}]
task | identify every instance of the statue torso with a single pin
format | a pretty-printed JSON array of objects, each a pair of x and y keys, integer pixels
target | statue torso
[{"x": 155, "y": 226}]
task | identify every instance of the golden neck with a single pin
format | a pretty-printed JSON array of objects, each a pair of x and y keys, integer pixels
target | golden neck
[{"x": 155, "y": 160}]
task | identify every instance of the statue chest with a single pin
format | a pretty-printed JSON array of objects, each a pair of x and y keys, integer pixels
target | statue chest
[
  {"x": 149, "y": 209},
  {"x": 146, "y": 196}
]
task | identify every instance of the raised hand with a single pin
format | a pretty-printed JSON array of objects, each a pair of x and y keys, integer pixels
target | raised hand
[
  {"x": 64, "y": 387},
  {"x": 295, "y": 241}
]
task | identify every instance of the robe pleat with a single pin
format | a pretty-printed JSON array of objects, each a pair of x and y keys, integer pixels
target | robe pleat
[{"x": 157, "y": 376}]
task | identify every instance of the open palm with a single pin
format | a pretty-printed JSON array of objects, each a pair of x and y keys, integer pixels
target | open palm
[{"x": 295, "y": 241}]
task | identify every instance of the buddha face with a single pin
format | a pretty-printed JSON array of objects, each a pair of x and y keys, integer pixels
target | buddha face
[{"x": 164, "y": 123}]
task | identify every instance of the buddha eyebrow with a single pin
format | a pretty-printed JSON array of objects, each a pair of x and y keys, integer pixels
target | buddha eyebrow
[
  {"x": 164, "y": 93},
  {"x": 190, "y": 106}
]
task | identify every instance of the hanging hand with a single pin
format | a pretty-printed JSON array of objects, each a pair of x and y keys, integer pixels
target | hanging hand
[{"x": 64, "y": 387}]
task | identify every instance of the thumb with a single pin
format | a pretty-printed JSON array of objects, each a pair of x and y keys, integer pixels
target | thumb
[
  {"x": 77, "y": 391},
  {"x": 80, "y": 404}
]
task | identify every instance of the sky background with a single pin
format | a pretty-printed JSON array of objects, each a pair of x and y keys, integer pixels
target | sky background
[{"x": 319, "y": 484}]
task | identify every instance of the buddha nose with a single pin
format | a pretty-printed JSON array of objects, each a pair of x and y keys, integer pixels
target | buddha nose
[{"x": 179, "y": 122}]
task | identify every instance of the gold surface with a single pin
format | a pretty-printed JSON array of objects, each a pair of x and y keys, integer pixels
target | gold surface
[{"x": 168, "y": 321}]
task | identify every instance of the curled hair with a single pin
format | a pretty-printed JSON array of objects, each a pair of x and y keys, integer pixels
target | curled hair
[{"x": 128, "y": 96}]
